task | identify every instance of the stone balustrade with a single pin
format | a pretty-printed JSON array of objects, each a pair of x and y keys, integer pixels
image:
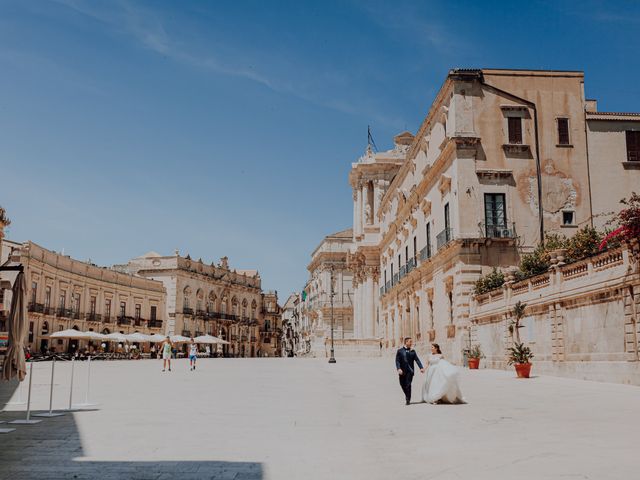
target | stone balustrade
[{"x": 582, "y": 319}]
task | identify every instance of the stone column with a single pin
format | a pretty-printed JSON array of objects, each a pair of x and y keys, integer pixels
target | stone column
[
  {"x": 355, "y": 212},
  {"x": 358, "y": 225},
  {"x": 364, "y": 201}
]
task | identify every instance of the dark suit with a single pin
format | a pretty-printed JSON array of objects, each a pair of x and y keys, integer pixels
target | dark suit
[{"x": 405, "y": 360}]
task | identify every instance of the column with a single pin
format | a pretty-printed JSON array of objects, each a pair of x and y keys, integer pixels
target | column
[
  {"x": 358, "y": 225},
  {"x": 355, "y": 212},
  {"x": 365, "y": 199}
]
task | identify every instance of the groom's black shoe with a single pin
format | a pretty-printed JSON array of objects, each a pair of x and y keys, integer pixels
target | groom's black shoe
[{"x": 408, "y": 402}]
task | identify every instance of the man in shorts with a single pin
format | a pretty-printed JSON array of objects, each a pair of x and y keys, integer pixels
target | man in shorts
[{"x": 193, "y": 354}]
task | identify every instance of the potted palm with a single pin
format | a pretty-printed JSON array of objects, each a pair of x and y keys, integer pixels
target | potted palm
[
  {"x": 520, "y": 356},
  {"x": 474, "y": 354}
]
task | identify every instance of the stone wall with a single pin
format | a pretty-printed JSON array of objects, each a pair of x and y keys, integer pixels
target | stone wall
[{"x": 581, "y": 320}]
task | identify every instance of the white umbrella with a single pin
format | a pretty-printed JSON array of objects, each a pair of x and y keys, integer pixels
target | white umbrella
[
  {"x": 179, "y": 339},
  {"x": 209, "y": 339},
  {"x": 71, "y": 333},
  {"x": 96, "y": 335},
  {"x": 115, "y": 337},
  {"x": 138, "y": 337},
  {"x": 157, "y": 338}
]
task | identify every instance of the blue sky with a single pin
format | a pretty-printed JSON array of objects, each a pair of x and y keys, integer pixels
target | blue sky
[{"x": 229, "y": 127}]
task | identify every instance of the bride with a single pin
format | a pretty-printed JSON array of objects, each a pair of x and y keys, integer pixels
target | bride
[{"x": 441, "y": 385}]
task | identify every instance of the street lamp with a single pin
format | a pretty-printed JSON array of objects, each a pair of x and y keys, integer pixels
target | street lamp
[{"x": 332, "y": 359}]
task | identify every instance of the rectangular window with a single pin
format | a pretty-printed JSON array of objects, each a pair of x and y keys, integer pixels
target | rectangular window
[
  {"x": 92, "y": 306},
  {"x": 515, "y": 130},
  {"x": 495, "y": 217},
  {"x": 428, "y": 239},
  {"x": 447, "y": 222},
  {"x": 392, "y": 273},
  {"x": 107, "y": 308},
  {"x": 123, "y": 309},
  {"x": 34, "y": 292},
  {"x": 633, "y": 146},
  {"x": 568, "y": 218},
  {"x": 47, "y": 297},
  {"x": 63, "y": 299},
  {"x": 153, "y": 313},
  {"x": 406, "y": 254},
  {"x": 563, "y": 131},
  {"x": 415, "y": 248},
  {"x": 30, "y": 332},
  {"x": 138, "y": 311},
  {"x": 76, "y": 303}
]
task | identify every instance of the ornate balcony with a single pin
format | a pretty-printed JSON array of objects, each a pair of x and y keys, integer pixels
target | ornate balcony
[
  {"x": 124, "y": 320},
  {"x": 187, "y": 311},
  {"x": 92, "y": 317},
  {"x": 444, "y": 237},
  {"x": 500, "y": 231},
  {"x": 35, "y": 307},
  {"x": 64, "y": 312},
  {"x": 155, "y": 323}
]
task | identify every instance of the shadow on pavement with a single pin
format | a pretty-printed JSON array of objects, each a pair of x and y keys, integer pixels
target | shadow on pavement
[{"x": 52, "y": 449}]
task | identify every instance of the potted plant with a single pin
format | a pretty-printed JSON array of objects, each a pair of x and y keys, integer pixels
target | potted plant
[
  {"x": 520, "y": 356},
  {"x": 474, "y": 354}
]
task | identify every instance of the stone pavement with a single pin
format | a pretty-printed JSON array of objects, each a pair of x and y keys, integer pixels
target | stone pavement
[{"x": 305, "y": 419}]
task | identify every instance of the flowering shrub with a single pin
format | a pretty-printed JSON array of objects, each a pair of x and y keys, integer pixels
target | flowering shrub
[{"x": 628, "y": 221}]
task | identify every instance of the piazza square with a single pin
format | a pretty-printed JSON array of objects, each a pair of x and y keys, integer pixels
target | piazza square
[
  {"x": 234, "y": 419},
  {"x": 306, "y": 241}
]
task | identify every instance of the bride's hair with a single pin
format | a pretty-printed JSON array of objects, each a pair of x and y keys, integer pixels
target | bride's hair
[{"x": 437, "y": 347}]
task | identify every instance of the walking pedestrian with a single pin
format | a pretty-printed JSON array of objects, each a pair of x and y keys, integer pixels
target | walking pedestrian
[
  {"x": 166, "y": 348},
  {"x": 193, "y": 354}
]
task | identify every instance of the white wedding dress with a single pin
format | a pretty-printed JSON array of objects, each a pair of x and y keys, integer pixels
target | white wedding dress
[{"x": 441, "y": 384}]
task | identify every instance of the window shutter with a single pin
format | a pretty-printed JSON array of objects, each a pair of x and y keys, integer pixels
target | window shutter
[
  {"x": 515, "y": 130},
  {"x": 563, "y": 131}
]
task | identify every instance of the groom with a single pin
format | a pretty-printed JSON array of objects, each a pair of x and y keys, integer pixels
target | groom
[{"x": 405, "y": 357}]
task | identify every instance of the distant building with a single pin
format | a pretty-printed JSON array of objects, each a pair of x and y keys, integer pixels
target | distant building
[
  {"x": 209, "y": 299},
  {"x": 329, "y": 292},
  {"x": 63, "y": 293}
]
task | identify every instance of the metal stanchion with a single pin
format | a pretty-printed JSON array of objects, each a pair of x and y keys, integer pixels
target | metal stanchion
[
  {"x": 50, "y": 413},
  {"x": 28, "y": 420},
  {"x": 73, "y": 363},
  {"x": 86, "y": 402}
]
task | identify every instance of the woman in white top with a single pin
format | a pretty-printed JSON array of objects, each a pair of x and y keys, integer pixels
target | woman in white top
[
  {"x": 193, "y": 354},
  {"x": 441, "y": 385}
]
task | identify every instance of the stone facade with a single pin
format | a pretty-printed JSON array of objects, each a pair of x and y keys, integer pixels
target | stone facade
[
  {"x": 329, "y": 292},
  {"x": 63, "y": 293},
  {"x": 292, "y": 336},
  {"x": 208, "y": 299},
  {"x": 503, "y": 157},
  {"x": 271, "y": 326},
  {"x": 582, "y": 320}
]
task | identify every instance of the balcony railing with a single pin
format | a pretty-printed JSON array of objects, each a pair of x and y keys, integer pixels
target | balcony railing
[
  {"x": 201, "y": 313},
  {"x": 444, "y": 237},
  {"x": 411, "y": 264},
  {"x": 36, "y": 307},
  {"x": 387, "y": 286},
  {"x": 124, "y": 321},
  {"x": 138, "y": 322},
  {"x": 382, "y": 290},
  {"x": 500, "y": 231},
  {"x": 187, "y": 311},
  {"x": 92, "y": 317},
  {"x": 395, "y": 279},
  {"x": 403, "y": 271},
  {"x": 107, "y": 319},
  {"x": 155, "y": 323},
  {"x": 425, "y": 253},
  {"x": 198, "y": 333},
  {"x": 186, "y": 333},
  {"x": 64, "y": 312}
]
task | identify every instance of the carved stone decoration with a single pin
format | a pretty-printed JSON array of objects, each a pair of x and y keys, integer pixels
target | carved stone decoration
[
  {"x": 444, "y": 184},
  {"x": 425, "y": 206}
]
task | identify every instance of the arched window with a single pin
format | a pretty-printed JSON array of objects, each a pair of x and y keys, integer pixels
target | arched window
[
  {"x": 186, "y": 301},
  {"x": 199, "y": 300},
  {"x": 254, "y": 306},
  {"x": 244, "y": 309},
  {"x": 223, "y": 305},
  {"x": 211, "y": 304},
  {"x": 234, "y": 306}
]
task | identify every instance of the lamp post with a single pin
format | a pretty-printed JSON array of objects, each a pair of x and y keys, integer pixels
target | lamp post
[{"x": 332, "y": 359}]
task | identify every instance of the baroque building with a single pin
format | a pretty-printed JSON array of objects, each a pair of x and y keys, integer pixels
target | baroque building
[
  {"x": 63, "y": 293},
  {"x": 502, "y": 157},
  {"x": 211, "y": 299},
  {"x": 328, "y": 293}
]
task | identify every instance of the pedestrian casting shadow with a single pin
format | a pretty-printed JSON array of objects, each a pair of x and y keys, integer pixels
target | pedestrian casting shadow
[{"x": 52, "y": 450}]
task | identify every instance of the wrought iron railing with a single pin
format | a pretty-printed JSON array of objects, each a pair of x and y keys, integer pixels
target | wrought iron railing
[
  {"x": 444, "y": 237},
  {"x": 425, "y": 253},
  {"x": 500, "y": 231}
]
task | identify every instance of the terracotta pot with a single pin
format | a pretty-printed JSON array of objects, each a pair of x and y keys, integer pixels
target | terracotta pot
[
  {"x": 523, "y": 370},
  {"x": 474, "y": 363}
]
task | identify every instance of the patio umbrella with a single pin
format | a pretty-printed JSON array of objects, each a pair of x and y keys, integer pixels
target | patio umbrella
[
  {"x": 138, "y": 337},
  {"x": 157, "y": 338},
  {"x": 209, "y": 339},
  {"x": 179, "y": 339},
  {"x": 71, "y": 333},
  {"x": 14, "y": 364},
  {"x": 115, "y": 337}
]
